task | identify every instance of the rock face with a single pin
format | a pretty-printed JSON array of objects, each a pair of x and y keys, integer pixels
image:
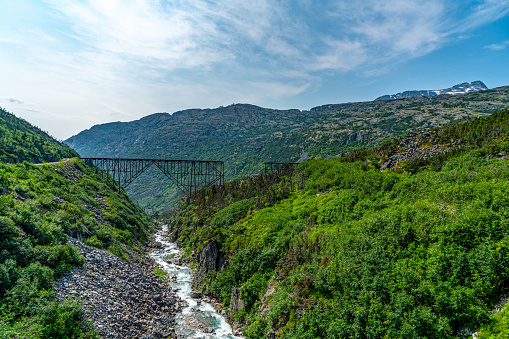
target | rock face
[
  {"x": 235, "y": 300},
  {"x": 265, "y": 305},
  {"x": 409, "y": 149},
  {"x": 210, "y": 259},
  {"x": 463, "y": 88},
  {"x": 124, "y": 299}
]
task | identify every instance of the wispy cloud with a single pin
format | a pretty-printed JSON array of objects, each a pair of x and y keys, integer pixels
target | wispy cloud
[
  {"x": 152, "y": 31},
  {"x": 403, "y": 26},
  {"x": 482, "y": 13},
  {"x": 404, "y": 29},
  {"x": 186, "y": 35},
  {"x": 498, "y": 47},
  {"x": 278, "y": 90},
  {"x": 14, "y": 101}
]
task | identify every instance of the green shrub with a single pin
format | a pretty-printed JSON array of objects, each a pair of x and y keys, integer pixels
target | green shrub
[
  {"x": 8, "y": 275},
  {"x": 7, "y": 228},
  {"x": 49, "y": 234},
  {"x": 21, "y": 189},
  {"x": 161, "y": 274},
  {"x": 27, "y": 296},
  {"x": 94, "y": 242},
  {"x": 65, "y": 320},
  {"x": 53, "y": 256},
  {"x": 231, "y": 214},
  {"x": 4, "y": 181},
  {"x": 253, "y": 289},
  {"x": 119, "y": 251},
  {"x": 258, "y": 329}
]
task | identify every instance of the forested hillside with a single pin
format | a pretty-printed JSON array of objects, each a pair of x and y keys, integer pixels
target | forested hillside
[
  {"x": 40, "y": 207},
  {"x": 340, "y": 249},
  {"x": 246, "y": 136},
  {"x": 20, "y": 141}
]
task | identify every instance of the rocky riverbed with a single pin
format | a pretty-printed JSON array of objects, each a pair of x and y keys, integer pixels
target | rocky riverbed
[{"x": 124, "y": 299}]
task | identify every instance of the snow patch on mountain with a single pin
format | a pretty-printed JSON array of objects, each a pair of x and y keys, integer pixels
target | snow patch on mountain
[{"x": 463, "y": 88}]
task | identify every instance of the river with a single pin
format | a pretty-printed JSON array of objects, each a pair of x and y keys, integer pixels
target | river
[{"x": 199, "y": 319}]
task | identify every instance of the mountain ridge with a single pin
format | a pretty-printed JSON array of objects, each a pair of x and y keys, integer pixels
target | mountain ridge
[
  {"x": 463, "y": 88},
  {"x": 245, "y": 136}
]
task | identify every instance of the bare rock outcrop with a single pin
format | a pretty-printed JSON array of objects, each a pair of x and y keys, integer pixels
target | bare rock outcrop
[
  {"x": 236, "y": 302},
  {"x": 409, "y": 148},
  {"x": 210, "y": 259}
]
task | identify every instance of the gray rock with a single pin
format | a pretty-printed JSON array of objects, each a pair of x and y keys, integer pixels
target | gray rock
[
  {"x": 124, "y": 299},
  {"x": 58, "y": 200},
  {"x": 195, "y": 295},
  {"x": 409, "y": 149},
  {"x": 236, "y": 302},
  {"x": 208, "y": 261}
]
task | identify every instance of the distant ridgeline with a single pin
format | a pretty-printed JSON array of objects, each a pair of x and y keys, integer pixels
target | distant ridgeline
[
  {"x": 20, "y": 141},
  {"x": 40, "y": 206},
  {"x": 466, "y": 87},
  {"x": 246, "y": 136},
  {"x": 341, "y": 249}
]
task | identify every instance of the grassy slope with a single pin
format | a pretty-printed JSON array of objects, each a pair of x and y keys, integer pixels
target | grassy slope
[
  {"x": 360, "y": 253},
  {"x": 20, "y": 141},
  {"x": 39, "y": 207},
  {"x": 246, "y": 136}
]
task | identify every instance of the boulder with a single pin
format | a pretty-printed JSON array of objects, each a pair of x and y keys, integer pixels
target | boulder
[{"x": 195, "y": 295}]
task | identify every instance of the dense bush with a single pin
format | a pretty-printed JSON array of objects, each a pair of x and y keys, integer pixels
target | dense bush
[
  {"x": 360, "y": 253},
  {"x": 20, "y": 141}
]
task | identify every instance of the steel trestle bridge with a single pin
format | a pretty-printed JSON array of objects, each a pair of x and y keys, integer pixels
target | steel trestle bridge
[{"x": 189, "y": 176}]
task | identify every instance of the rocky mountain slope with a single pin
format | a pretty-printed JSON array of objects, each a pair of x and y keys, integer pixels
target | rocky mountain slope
[
  {"x": 246, "y": 136},
  {"x": 463, "y": 88}
]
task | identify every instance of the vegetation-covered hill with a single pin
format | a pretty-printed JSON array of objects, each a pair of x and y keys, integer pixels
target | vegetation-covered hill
[
  {"x": 246, "y": 136},
  {"x": 19, "y": 141},
  {"x": 40, "y": 206},
  {"x": 340, "y": 249}
]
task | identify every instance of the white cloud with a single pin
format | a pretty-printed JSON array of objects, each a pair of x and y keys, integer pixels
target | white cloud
[
  {"x": 403, "y": 29},
  {"x": 498, "y": 47},
  {"x": 278, "y": 90},
  {"x": 483, "y": 12},
  {"x": 143, "y": 30},
  {"x": 170, "y": 35},
  {"x": 340, "y": 55}
]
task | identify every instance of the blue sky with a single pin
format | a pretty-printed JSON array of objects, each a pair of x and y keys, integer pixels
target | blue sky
[{"x": 69, "y": 64}]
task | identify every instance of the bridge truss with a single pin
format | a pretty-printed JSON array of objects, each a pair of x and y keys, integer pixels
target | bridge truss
[{"x": 189, "y": 176}]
